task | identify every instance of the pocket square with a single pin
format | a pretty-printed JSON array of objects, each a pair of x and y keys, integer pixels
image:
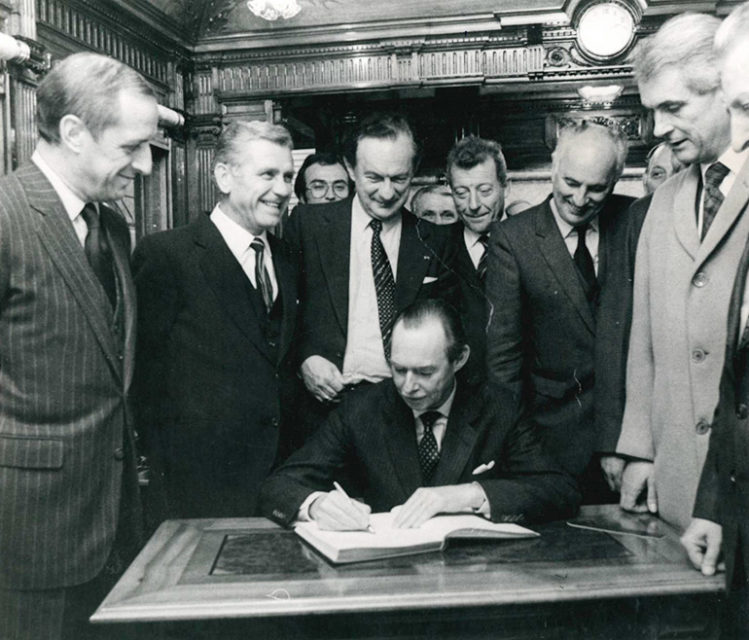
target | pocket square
[
  {"x": 483, "y": 468},
  {"x": 429, "y": 279}
]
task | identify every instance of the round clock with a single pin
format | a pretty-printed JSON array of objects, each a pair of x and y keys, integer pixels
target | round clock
[{"x": 605, "y": 30}]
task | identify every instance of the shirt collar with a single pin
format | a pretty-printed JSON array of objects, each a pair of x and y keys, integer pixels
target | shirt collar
[
  {"x": 237, "y": 238},
  {"x": 470, "y": 236},
  {"x": 565, "y": 228},
  {"x": 733, "y": 160},
  {"x": 360, "y": 219},
  {"x": 72, "y": 203},
  {"x": 444, "y": 408}
]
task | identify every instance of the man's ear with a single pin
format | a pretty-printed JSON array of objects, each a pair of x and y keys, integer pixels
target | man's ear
[
  {"x": 462, "y": 359},
  {"x": 224, "y": 177},
  {"x": 349, "y": 169},
  {"x": 73, "y": 132}
]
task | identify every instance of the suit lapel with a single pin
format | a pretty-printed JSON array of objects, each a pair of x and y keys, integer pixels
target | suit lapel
[
  {"x": 400, "y": 436},
  {"x": 459, "y": 441},
  {"x": 414, "y": 259},
  {"x": 229, "y": 283},
  {"x": 287, "y": 291},
  {"x": 334, "y": 247},
  {"x": 554, "y": 251},
  {"x": 733, "y": 205},
  {"x": 61, "y": 243},
  {"x": 685, "y": 216}
]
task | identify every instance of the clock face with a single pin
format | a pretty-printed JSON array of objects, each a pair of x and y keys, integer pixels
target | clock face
[{"x": 605, "y": 29}]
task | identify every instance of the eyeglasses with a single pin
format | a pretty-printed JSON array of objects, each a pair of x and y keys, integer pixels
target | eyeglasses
[{"x": 320, "y": 189}]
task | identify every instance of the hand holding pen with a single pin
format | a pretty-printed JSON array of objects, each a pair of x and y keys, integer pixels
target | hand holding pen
[{"x": 335, "y": 510}]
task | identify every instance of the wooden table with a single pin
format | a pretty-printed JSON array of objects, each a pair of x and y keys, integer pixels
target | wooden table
[{"x": 249, "y": 578}]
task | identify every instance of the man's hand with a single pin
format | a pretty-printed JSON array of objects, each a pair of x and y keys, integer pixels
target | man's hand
[
  {"x": 426, "y": 502},
  {"x": 702, "y": 540},
  {"x": 334, "y": 511},
  {"x": 322, "y": 378},
  {"x": 638, "y": 484},
  {"x": 613, "y": 466}
]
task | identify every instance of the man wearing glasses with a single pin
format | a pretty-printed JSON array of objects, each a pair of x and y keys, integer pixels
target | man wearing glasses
[{"x": 322, "y": 178}]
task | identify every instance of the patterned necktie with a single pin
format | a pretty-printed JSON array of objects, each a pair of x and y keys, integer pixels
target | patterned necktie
[
  {"x": 429, "y": 454},
  {"x": 262, "y": 278},
  {"x": 481, "y": 267},
  {"x": 712, "y": 197},
  {"x": 98, "y": 252},
  {"x": 384, "y": 286},
  {"x": 584, "y": 263}
]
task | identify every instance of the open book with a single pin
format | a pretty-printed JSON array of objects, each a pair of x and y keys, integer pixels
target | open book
[{"x": 387, "y": 542}]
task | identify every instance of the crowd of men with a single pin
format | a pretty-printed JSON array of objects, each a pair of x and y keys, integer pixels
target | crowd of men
[{"x": 589, "y": 349}]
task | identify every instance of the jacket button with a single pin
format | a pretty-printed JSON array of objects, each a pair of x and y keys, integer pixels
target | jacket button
[
  {"x": 700, "y": 279},
  {"x": 274, "y": 422},
  {"x": 742, "y": 411},
  {"x": 702, "y": 427},
  {"x": 119, "y": 454},
  {"x": 732, "y": 477},
  {"x": 698, "y": 355}
]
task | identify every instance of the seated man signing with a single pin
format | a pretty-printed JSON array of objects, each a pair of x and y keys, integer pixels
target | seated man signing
[{"x": 423, "y": 441}]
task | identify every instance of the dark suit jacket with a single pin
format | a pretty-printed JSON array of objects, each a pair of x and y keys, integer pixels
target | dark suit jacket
[
  {"x": 371, "y": 440},
  {"x": 322, "y": 235},
  {"x": 542, "y": 337},
  {"x": 723, "y": 493},
  {"x": 213, "y": 394},
  {"x": 473, "y": 310},
  {"x": 65, "y": 435}
]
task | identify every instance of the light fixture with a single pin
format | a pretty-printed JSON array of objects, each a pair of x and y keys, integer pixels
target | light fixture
[
  {"x": 600, "y": 94},
  {"x": 274, "y": 9}
]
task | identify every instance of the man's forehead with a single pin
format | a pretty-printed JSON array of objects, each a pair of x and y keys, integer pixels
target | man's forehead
[{"x": 374, "y": 150}]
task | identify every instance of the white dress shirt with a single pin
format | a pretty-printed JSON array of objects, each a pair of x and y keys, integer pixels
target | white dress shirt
[
  {"x": 569, "y": 235},
  {"x": 474, "y": 245},
  {"x": 72, "y": 203},
  {"x": 238, "y": 239},
  {"x": 364, "y": 358}
]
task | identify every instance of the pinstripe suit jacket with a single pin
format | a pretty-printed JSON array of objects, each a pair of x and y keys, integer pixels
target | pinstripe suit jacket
[{"x": 64, "y": 377}]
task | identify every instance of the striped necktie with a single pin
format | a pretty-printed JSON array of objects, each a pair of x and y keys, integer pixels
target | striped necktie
[
  {"x": 384, "y": 286},
  {"x": 262, "y": 278},
  {"x": 481, "y": 267},
  {"x": 712, "y": 195}
]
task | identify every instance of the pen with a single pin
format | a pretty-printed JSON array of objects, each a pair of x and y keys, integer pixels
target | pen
[{"x": 342, "y": 491}]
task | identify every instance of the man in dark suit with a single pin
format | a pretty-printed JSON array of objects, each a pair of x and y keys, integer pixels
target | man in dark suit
[
  {"x": 67, "y": 320},
  {"x": 549, "y": 270},
  {"x": 721, "y": 511},
  {"x": 422, "y": 440},
  {"x": 477, "y": 173},
  {"x": 362, "y": 260},
  {"x": 217, "y": 299}
]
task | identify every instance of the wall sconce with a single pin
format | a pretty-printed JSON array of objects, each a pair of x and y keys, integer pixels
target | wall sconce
[
  {"x": 600, "y": 96},
  {"x": 24, "y": 52}
]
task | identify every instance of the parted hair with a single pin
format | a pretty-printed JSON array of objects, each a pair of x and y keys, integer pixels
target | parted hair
[
  {"x": 571, "y": 128},
  {"x": 86, "y": 85},
  {"x": 239, "y": 132},
  {"x": 733, "y": 28},
  {"x": 684, "y": 42},
  {"x": 415, "y": 314},
  {"x": 440, "y": 189},
  {"x": 472, "y": 151},
  {"x": 385, "y": 126}
]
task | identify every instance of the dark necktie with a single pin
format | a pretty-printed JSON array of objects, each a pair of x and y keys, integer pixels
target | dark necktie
[
  {"x": 98, "y": 252},
  {"x": 429, "y": 454},
  {"x": 481, "y": 267},
  {"x": 712, "y": 196},
  {"x": 384, "y": 286},
  {"x": 262, "y": 278},
  {"x": 584, "y": 263}
]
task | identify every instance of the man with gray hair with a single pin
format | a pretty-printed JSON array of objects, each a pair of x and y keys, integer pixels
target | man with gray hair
[
  {"x": 434, "y": 203},
  {"x": 552, "y": 287},
  {"x": 69, "y": 507},
  {"x": 688, "y": 252},
  {"x": 661, "y": 165},
  {"x": 217, "y": 298}
]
